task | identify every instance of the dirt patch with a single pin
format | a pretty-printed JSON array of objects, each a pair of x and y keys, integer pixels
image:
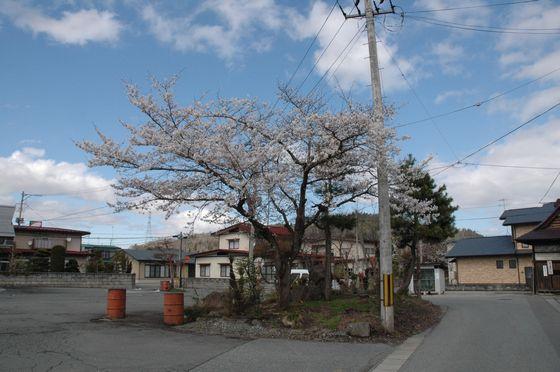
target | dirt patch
[{"x": 323, "y": 320}]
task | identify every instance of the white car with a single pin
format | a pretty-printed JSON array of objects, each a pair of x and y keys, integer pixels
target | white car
[{"x": 299, "y": 273}]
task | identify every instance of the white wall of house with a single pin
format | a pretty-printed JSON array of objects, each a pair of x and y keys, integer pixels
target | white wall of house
[
  {"x": 48, "y": 240},
  {"x": 214, "y": 263},
  {"x": 242, "y": 237}
]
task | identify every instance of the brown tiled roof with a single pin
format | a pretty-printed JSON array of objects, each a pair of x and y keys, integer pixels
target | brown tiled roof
[
  {"x": 246, "y": 228},
  {"x": 43, "y": 229}
]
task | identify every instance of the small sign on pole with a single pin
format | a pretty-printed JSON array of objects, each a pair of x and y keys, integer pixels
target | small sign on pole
[
  {"x": 187, "y": 259},
  {"x": 544, "y": 270},
  {"x": 550, "y": 268}
]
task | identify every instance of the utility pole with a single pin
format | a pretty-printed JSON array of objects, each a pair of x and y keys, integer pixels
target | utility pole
[
  {"x": 24, "y": 197},
  {"x": 385, "y": 246},
  {"x": 19, "y": 220}
]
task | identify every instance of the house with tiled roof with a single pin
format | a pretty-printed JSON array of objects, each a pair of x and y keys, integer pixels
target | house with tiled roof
[
  {"x": 545, "y": 242},
  {"x": 498, "y": 260},
  {"x": 28, "y": 241}
]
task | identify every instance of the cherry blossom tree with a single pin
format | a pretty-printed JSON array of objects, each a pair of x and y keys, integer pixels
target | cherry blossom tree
[{"x": 240, "y": 158}]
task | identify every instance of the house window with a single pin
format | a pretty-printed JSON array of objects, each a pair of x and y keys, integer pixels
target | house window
[
  {"x": 106, "y": 255},
  {"x": 233, "y": 243},
  {"x": 156, "y": 271},
  {"x": 499, "y": 264},
  {"x": 6, "y": 242},
  {"x": 512, "y": 264},
  {"x": 224, "y": 270},
  {"x": 204, "y": 270},
  {"x": 268, "y": 272},
  {"x": 41, "y": 243}
]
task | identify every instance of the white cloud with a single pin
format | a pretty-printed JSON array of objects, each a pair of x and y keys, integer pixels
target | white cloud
[
  {"x": 534, "y": 146},
  {"x": 449, "y": 55},
  {"x": 239, "y": 26},
  {"x": 480, "y": 16},
  {"x": 79, "y": 27},
  {"x": 451, "y": 94},
  {"x": 528, "y": 106},
  {"x": 355, "y": 67},
  {"x": 28, "y": 170}
]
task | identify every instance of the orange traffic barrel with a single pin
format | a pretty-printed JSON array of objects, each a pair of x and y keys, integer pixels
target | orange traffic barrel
[
  {"x": 164, "y": 285},
  {"x": 116, "y": 303},
  {"x": 173, "y": 308}
]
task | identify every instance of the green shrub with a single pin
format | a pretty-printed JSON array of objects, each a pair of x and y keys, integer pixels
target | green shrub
[
  {"x": 72, "y": 266},
  {"x": 58, "y": 254}
]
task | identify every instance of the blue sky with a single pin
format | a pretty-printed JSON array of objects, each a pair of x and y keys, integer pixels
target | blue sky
[{"x": 63, "y": 64}]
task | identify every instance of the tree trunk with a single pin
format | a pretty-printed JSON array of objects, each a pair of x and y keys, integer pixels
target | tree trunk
[
  {"x": 408, "y": 271},
  {"x": 417, "y": 277},
  {"x": 328, "y": 256},
  {"x": 283, "y": 281}
]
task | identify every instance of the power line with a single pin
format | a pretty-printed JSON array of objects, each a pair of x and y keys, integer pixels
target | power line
[
  {"x": 479, "y": 103},
  {"x": 489, "y": 29},
  {"x": 477, "y": 218},
  {"x": 307, "y": 51},
  {"x": 85, "y": 191},
  {"x": 499, "y": 138},
  {"x": 360, "y": 30},
  {"x": 320, "y": 56},
  {"x": 420, "y": 101},
  {"x": 512, "y": 166},
  {"x": 471, "y": 7},
  {"x": 63, "y": 216},
  {"x": 549, "y": 187}
]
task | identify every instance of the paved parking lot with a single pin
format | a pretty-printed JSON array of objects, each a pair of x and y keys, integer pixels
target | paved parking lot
[{"x": 55, "y": 329}]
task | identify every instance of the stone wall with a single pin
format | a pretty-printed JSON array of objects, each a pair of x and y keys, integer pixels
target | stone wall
[{"x": 68, "y": 280}]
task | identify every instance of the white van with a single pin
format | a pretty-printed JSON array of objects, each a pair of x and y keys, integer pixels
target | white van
[{"x": 299, "y": 273}]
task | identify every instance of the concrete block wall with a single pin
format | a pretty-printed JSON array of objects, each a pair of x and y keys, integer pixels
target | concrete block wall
[
  {"x": 205, "y": 286},
  {"x": 488, "y": 287},
  {"x": 68, "y": 280}
]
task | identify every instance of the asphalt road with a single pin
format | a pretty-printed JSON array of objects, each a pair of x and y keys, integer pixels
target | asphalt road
[
  {"x": 49, "y": 329},
  {"x": 59, "y": 330},
  {"x": 491, "y": 332}
]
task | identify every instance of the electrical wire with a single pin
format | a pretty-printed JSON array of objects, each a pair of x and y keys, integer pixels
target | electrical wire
[
  {"x": 511, "y": 166},
  {"x": 472, "y": 6},
  {"x": 479, "y": 103},
  {"x": 549, "y": 187},
  {"x": 360, "y": 30},
  {"x": 63, "y": 216},
  {"x": 420, "y": 101},
  {"x": 308, "y": 50},
  {"x": 489, "y": 29},
  {"x": 498, "y": 139}
]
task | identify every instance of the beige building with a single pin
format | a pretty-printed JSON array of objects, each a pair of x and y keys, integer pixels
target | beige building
[
  {"x": 153, "y": 265},
  {"x": 29, "y": 241},
  {"x": 499, "y": 259},
  {"x": 489, "y": 260}
]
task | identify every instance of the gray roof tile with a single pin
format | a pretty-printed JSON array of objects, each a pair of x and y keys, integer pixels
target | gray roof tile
[
  {"x": 527, "y": 215},
  {"x": 6, "y": 216},
  {"x": 484, "y": 246}
]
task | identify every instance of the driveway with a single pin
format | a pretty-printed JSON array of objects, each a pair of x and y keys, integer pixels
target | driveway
[
  {"x": 55, "y": 329},
  {"x": 491, "y": 332}
]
